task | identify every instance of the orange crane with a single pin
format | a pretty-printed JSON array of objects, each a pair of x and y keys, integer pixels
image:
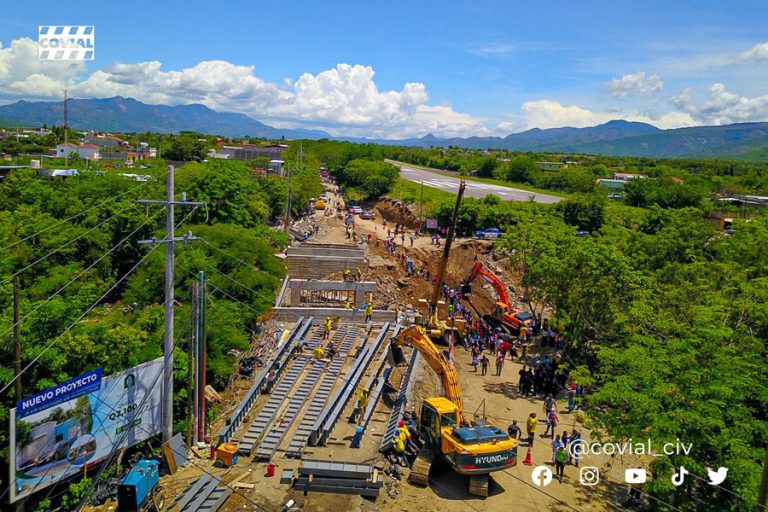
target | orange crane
[{"x": 503, "y": 315}]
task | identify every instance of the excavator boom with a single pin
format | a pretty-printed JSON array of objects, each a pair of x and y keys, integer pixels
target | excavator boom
[
  {"x": 418, "y": 339},
  {"x": 501, "y": 290}
]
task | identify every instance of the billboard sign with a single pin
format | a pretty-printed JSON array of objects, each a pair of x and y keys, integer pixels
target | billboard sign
[
  {"x": 73, "y": 388},
  {"x": 53, "y": 442},
  {"x": 431, "y": 223}
]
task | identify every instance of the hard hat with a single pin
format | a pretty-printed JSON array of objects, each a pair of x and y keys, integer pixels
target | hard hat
[{"x": 401, "y": 423}]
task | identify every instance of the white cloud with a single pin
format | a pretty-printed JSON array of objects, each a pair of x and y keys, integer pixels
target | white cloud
[
  {"x": 553, "y": 114},
  {"x": 23, "y": 74},
  {"x": 635, "y": 83},
  {"x": 343, "y": 100},
  {"x": 721, "y": 106},
  {"x": 758, "y": 53}
]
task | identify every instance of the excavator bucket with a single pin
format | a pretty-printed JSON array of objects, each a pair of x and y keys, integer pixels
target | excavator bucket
[{"x": 395, "y": 356}]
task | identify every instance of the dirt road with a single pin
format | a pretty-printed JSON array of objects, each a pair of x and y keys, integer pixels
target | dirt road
[{"x": 502, "y": 403}]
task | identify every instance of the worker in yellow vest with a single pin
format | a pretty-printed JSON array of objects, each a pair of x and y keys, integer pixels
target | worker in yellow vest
[
  {"x": 327, "y": 326},
  {"x": 369, "y": 312},
  {"x": 318, "y": 353},
  {"x": 363, "y": 397}
]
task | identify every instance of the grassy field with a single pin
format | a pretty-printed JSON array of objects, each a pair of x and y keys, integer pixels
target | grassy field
[
  {"x": 411, "y": 193},
  {"x": 511, "y": 184}
]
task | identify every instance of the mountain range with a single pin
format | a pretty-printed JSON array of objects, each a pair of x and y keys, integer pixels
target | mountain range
[
  {"x": 120, "y": 114},
  {"x": 747, "y": 141}
]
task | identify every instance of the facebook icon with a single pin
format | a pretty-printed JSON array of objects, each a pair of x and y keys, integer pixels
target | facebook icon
[{"x": 541, "y": 476}]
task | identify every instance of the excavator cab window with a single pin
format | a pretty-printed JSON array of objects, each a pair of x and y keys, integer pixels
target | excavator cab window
[
  {"x": 449, "y": 420},
  {"x": 430, "y": 423}
]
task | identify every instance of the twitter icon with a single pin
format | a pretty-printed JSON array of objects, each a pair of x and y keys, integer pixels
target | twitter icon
[{"x": 717, "y": 477}]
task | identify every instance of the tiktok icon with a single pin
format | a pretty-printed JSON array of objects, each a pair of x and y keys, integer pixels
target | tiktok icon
[{"x": 679, "y": 477}]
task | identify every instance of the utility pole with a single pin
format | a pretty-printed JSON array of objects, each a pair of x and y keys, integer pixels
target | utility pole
[
  {"x": 287, "y": 223},
  {"x": 169, "y": 240},
  {"x": 762, "y": 495},
  {"x": 421, "y": 201},
  {"x": 191, "y": 377},
  {"x": 202, "y": 354},
  {"x": 17, "y": 337},
  {"x": 66, "y": 129}
]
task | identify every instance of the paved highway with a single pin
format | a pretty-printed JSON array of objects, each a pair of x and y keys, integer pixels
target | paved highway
[{"x": 474, "y": 188}]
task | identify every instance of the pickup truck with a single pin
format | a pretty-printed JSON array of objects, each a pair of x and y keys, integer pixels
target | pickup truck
[{"x": 488, "y": 233}]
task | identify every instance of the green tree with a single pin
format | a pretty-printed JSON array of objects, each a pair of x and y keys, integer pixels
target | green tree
[{"x": 583, "y": 211}]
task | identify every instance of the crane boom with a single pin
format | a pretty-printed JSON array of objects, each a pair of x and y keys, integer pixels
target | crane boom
[
  {"x": 418, "y": 339},
  {"x": 446, "y": 252}
]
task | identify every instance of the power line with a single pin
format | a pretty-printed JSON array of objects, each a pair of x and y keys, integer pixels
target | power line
[
  {"x": 95, "y": 303},
  {"x": 125, "y": 276},
  {"x": 61, "y": 247},
  {"x": 111, "y": 199},
  {"x": 57, "y": 292}
]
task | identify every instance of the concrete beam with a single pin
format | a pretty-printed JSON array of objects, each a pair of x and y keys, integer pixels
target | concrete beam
[
  {"x": 318, "y": 284},
  {"x": 291, "y": 314}
]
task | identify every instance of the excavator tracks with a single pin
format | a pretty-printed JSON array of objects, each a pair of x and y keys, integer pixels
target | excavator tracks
[
  {"x": 478, "y": 485},
  {"x": 419, "y": 474}
]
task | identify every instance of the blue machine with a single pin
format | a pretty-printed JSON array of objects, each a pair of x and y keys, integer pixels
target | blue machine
[{"x": 135, "y": 491}]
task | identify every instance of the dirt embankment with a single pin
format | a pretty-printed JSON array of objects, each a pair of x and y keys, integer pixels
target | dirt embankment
[{"x": 397, "y": 213}]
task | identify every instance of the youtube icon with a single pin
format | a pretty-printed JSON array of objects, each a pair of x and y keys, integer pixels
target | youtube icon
[{"x": 635, "y": 476}]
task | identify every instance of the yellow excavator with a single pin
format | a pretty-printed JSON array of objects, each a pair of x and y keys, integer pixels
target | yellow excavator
[
  {"x": 443, "y": 329},
  {"x": 475, "y": 448}
]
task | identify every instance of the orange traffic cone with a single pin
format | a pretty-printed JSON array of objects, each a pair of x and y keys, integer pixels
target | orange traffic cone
[{"x": 527, "y": 460}]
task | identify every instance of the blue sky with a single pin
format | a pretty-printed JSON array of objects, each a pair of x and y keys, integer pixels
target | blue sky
[{"x": 397, "y": 68}]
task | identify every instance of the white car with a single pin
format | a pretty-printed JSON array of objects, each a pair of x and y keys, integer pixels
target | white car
[{"x": 355, "y": 210}]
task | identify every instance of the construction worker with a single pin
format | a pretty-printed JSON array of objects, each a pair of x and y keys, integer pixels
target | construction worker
[
  {"x": 359, "y": 274},
  {"x": 347, "y": 275},
  {"x": 530, "y": 426},
  {"x": 363, "y": 397},
  {"x": 347, "y": 305},
  {"x": 405, "y": 435},
  {"x": 318, "y": 353},
  {"x": 369, "y": 312},
  {"x": 327, "y": 325},
  {"x": 399, "y": 451}
]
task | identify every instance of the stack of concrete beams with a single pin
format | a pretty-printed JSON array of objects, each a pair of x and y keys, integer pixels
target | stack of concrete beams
[
  {"x": 205, "y": 495},
  {"x": 339, "y": 478},
  {"x": 327, "y": 420},
  {"x": 313, "y": 261},
  {"x": 377, "y": 377},
  {"x": 278, "y": 396},
  {"x": 401, "y": 402},
  {"x": 281, "y": 354},
  {"x": 301, "y": 436}
]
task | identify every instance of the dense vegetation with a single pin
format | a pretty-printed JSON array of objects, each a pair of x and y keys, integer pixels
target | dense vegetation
[
  {"x": 70, "y": 241},
  {"x": 665, "y": 319}
]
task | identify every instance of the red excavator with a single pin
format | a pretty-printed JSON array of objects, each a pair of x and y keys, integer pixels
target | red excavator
[{"x": 504, "y": 315}]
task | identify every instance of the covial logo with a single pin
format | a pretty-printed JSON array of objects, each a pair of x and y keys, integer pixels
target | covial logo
[{"x": 66, "y": 42}]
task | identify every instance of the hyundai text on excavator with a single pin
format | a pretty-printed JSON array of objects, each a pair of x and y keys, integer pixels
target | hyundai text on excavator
[
  {"x": 504, "y": 315},
  {"x": 443, "y": 329},
  {"x": 475, "y": 448}
]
